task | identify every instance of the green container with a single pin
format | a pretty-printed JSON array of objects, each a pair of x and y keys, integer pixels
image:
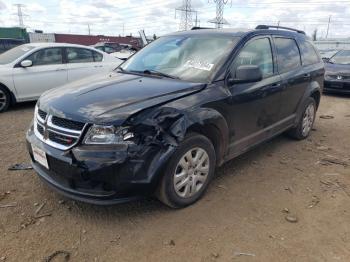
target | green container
[{"x": 14, "y": 33}]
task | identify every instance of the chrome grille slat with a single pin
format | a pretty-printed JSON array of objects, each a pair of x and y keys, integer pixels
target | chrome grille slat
[{"x": 54, "y": 135}]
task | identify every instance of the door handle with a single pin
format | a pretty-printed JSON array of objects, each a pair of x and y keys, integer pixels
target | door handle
[
  {"x": 60, "y": 69},
  {"x": 307, "y": 75},
  {"x": 276, "y": 85},
  {"x": 98, "y": 66}
]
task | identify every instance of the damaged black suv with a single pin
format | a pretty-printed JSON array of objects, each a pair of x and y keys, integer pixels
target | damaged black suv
[{"x": 161, "y": 122}]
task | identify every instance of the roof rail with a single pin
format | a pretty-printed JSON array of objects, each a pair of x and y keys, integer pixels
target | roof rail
[
  {"x": 198, "y": 28},
  {"x": 279, "y": 27}
]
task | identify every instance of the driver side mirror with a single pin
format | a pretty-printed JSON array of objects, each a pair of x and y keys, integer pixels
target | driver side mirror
[
  {"x": 246, "y": 74},
  {"x": 26, "y": 63}
]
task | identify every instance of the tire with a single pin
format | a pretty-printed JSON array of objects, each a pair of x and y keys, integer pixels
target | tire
[
  {"x": 176, "y": 174},
  {"x": 306, "y": 121},
  {"x": 5, "y": 99}
]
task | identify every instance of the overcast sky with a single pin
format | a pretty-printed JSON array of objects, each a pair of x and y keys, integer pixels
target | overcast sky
[{"x": 109, "y": 17}]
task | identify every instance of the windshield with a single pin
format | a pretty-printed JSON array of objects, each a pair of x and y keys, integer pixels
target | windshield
[
  {"x": 342, "y": 57},
  {"x": 14, "y": 53},
  {"x": 190, "y": 58}
]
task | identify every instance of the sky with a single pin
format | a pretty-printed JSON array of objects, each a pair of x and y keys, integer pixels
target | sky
[{"x": 125, "y": 17}]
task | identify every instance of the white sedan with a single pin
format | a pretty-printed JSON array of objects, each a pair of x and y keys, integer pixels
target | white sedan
[{"x": 29, "y": 70}]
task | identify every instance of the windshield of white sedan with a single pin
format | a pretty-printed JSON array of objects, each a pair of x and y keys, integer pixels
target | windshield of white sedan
[
  {"x": 190, "y": 58},
  {"x": 342, "y": 57},
  {"x": 14, "y": 53}
]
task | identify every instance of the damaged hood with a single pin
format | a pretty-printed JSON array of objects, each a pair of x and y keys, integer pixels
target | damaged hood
[{"x": 112, "y": 98}]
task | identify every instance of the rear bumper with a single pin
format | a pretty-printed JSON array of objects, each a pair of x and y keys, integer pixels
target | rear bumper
[{"x": 100, "y": 175}]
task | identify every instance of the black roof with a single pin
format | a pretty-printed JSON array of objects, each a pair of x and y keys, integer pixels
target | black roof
[{"x": 238, "y": 32}]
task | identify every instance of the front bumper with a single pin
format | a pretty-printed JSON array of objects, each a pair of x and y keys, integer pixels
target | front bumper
[
  {"x": 101, "y": 175},
  {"x": 337, "y": 86}
]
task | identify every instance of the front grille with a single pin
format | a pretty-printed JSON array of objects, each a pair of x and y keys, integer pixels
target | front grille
[
  {"x": 42, "y": 114},
  {"x": 343, "y": 77},
  {"x": 56, "y": 131},
  {"x": 68, "y": 124},
  {"x": 40, "y": 129},
  {"x": 62, "y": 139}
]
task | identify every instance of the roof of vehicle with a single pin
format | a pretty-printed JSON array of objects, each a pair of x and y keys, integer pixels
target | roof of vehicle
[
  {"x": 239, "y": 32},
  {"x": 54, "y": 45}
]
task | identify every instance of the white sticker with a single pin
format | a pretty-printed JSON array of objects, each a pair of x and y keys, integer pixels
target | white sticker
[
  {"x": 25, "y": 49},
  {"x": 197, "y": 64}
]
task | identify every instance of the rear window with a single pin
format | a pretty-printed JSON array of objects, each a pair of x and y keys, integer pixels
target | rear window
[
  {"x": 288, "y": 54},
  {"x": 79, "y": 55},
  {"x": 309, "y": 54}
]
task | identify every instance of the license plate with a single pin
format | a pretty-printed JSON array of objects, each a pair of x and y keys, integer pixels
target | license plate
[{"x": 40, "y": 156}]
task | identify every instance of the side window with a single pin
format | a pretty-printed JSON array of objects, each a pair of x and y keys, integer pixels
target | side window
[
  {"x": 288, "y": 54},
  {"x": 47, "y": 56},
  {"x": 109, "y": 49},
  {"x": 258, "y": 52},
  {"x": 309, "y": 54},
  {"x": 98, "y": 57},
  {"x": 79, "y": 55}
]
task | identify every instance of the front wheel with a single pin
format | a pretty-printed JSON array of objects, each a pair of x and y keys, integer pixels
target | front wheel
[
  {"x": 4, "y": 99},
  {"x": 306, "y": 121},
  {"x": 188, "y": 173}
]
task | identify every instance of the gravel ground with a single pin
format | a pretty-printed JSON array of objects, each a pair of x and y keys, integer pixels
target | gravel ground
[{"x": 283, "y": 201}]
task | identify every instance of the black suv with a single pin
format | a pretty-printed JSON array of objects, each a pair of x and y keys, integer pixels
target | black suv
[{"x": 178, "y": 108}]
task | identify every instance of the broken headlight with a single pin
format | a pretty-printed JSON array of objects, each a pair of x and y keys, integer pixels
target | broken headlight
[{"x": 99, "y": 135}]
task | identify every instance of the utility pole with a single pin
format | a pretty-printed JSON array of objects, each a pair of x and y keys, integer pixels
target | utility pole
[
  {"x": 186, "y": 10},
  {"x": 89, "y": 29},
  {"x": 219, "y": 19},
  {"x": 20, "y": 14},
  {"x": 329, "y": 22}
]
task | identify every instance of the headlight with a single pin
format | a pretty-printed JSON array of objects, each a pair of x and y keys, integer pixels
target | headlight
[{"x": 98, "y": 135}]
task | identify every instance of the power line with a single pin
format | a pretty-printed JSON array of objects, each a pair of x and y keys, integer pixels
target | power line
[
  {"x": 20, "y": 14},
  {"x": 186, "y": 21},
  {"x": 219, "y": 19}
]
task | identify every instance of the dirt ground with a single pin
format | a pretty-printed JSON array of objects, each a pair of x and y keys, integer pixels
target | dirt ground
[{"x": 241, "y": 218}]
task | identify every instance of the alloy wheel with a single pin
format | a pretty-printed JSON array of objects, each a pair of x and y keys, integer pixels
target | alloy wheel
[
  {"x": 308, "y": 119},
  {"x": 3, "y": 100},
  {"x": 191, "y": 172}
]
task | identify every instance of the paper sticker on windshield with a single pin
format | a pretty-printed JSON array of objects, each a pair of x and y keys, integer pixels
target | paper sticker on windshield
[{"x": 201, "y": 65}]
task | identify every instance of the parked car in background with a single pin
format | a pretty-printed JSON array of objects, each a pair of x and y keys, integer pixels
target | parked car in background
[
  {"x": 326, "y": 54},
  {"x": 179, "y": 107},
  {"x": 29, "y": 70},
  {"x": 8, "y": 43},
  {"x": 118, "y": 50},
  {"x": 337, "y": 76}
]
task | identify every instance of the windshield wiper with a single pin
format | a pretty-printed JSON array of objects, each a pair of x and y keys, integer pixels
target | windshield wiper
[{"x": 154, "y": 72}]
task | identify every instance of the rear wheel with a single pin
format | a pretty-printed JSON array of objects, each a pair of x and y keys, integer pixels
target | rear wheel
[
  {"x": 4, "y": 99},
  {"x": 188, "y": 173},
  {"x": 306, "y": 121}
]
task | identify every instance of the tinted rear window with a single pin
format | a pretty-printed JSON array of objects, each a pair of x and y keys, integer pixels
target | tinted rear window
[
  {"x": 288, "y": 54},
  {"x": 309, "y": 54}
]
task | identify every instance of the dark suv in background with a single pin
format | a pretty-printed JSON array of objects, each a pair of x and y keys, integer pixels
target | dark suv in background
[
  {"x": 181, "y": 106},
  {"x": 337, "y": 76}
]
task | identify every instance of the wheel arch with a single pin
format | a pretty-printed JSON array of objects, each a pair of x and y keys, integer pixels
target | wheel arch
[{"x": 212, "y": 125}]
